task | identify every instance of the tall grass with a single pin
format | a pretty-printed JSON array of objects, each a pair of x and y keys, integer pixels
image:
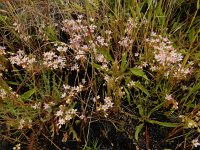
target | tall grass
[{"x": 66, "y": 65}]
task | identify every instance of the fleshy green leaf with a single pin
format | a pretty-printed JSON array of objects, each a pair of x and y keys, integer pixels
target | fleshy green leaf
[
  {"x": 127, "y": 95},
  {"x": 165, "y": 124},
  {"x": 141, "y": 87},
  {"x": 138, "y": 129},
  {"x": 141, "y": 111},
  {"x": 106, "y": 54},
  {"x": 28, "y": 94},
  {"x": 124, "y": 62},
  {"x": 139, "y": 73}
]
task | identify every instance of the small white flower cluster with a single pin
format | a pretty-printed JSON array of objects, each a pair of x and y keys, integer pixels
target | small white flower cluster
[
  {"x": 50, "y": 59},
  {"x": 192, "y": 121},
  {"x": 106, "y": 106},
  {"x": 75, "y": 67},
  {"x": 130, "y": 25},
  {"x": 47, "y": 106},
  {"x": 101, "y": 41},
  {"x": 4, "y": 93},
  {"x": 61, "y": 47},
  {"x": 64, "y": 115},
  {"x": 84, "y": 41},
  {"x": 108, "y": 36},
  {"x": 78, "y": 31},
  {"x": 36, "y": 105},
  {"x": 53, "y": 61},
  {"x": 25, "y": 123},
  {"x": 17, "y": 147},
  {"x": 70, "y": 92},
  {"x": 21, "y": 59},
  {"x": 167, "y": 58},
  {"x": 126, "y": 42},
  {"x": 101, "y": 59}
]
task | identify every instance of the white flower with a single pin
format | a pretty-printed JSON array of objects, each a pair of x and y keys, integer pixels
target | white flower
[
  {"x": 63, "y": 95},
  {"x": 2, "y": 50},
  {"x": 131, "y": 84},
  {"x": 91, "y": 19},
  {"x": 96, "y": 98},
  {"x": 66, "y": 87},
  {"x": 82, "y": 117},
  {"x": 62, "y": 49},
  {"x": 107, "y": 78},
  {"x": 68, "y": 117},
  {"x": 2, "y": 93},
  {"x": 61, "y": 121},
  {"x": 36, "y": 106},
  {"x": 175, "y": 105},
  {"x": 136, "y": 54},
  {"x": 168, "y": 97},
  {"x": 46, "y": 106},
  {"x": 75, "y": 67},
  {"x": 195, "y": 142},
  {"x": 125, "y": 41},
  {"x": 104, "y": 67},
  {"x": 108, "y": 102},
  {"x": 83, "y": 81},
  {"x": 17, "y": 147},
  {"x": 49, "y": 56},
  {"x": 104, "y": 108},
  {"x": 108, "y": 32},
  {"x": 100, "y": 58},
  {"x": 101, "y": 40},
  {"x": 68, "y": 101},
  {"x": 72, "y": 111},
  {"x": 192, "y": 124},
  {"x": 21, "y": 123},
  {"x": 153, "y": 34},
  {"x": 59, "y": 113}
]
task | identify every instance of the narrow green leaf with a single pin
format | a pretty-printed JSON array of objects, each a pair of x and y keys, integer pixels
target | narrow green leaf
[
  {"x": 106, "y": 54},
  {"x": 96, "y": 66},
  {"x": 28, "y": 94},
  {"x": 142, "y": 88},
  {"x": 74, "y": 134},
  {"x": 51, "y": 33},
  {"x": 165, "y": 124},
  {"x": 155, "y": 109},
  {"x": 192, "y": 91},
  {"x": 128, "y": 95},
  {"x": 124, "y": 62},
  {"x": 141, "y": 111},
  {"x": 139, "y": 73},
  {"x": 138, "y": 129},
  {"x": 12, "y": 83}
]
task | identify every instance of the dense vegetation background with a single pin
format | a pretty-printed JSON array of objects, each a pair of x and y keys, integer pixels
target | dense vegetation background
[{"x": 99, "y": 74}]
